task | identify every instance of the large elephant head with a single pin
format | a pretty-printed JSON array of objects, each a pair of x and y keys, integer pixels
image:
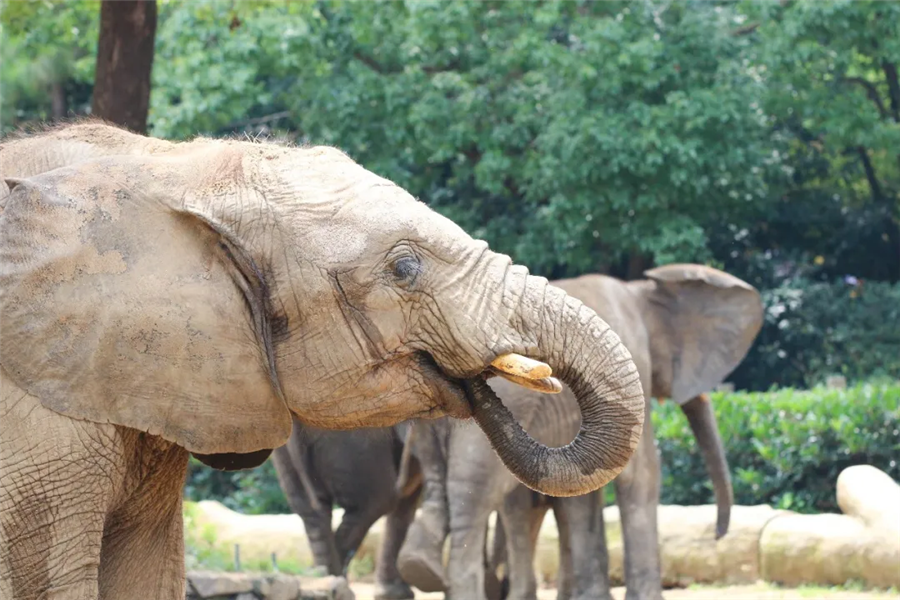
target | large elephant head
[
  {"x": 701, "y": 322},
  {"x": 204, "y": 291}
]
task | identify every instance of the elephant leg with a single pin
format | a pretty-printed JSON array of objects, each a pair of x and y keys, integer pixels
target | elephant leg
[
  {"x": 54, "y": 493},
  {"x": 317, "y": 523},
  {"x": 143, "y": 541},
  {"x": 516, "y": 518},
  {"x": 352, "y": 531},
  {"x": 585, "y": 540},
  {"x": 390, "y": 585},
  {"x": 420, "y": 561},
  {"x": 565, "y": 570},
  {"x": 637, "y": 494},
  {"x": 477, "y": 484}
]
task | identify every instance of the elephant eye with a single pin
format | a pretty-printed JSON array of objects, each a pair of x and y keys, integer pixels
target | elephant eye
[{"x": 406, "y": 268}]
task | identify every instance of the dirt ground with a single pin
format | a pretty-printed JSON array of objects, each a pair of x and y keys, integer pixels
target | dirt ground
[{"x": 761, "y": 591}]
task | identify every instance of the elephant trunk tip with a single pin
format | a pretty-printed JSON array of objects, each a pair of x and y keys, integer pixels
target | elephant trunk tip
[{"x": 722, "y": 525}]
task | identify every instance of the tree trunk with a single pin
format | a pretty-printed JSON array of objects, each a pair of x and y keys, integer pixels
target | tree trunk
[
  {"x": 124, "y": 62},
  {"x": 58, "y": 101}
]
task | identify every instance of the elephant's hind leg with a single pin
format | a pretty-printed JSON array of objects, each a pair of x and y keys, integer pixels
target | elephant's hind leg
[
  {"x": 581, "y": 518},
  {"x": 637, "y": 494},
  {"x": 390, "y": 584},
  {"x": 143, "y": 543},
  {"x": 55, "y": 486},
  {"x": 516, "y": 515}
]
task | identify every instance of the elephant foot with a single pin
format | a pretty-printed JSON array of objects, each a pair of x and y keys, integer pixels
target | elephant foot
[
  {"x": 593, "y": 595},
  {"x": 393, "y": 590},
  {"x": 420, "y": 561},
  {"x": 643, "y": 594}
]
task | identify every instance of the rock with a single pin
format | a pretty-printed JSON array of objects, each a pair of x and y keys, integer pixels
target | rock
[
  {"x": 823, "y": 550},
  {"x": 208, "y": 584},
  {"x": 247, "y": 596},
  {"x": 282, "y": 587},
  {"x": 690, "y": 552},
  {"x": 863, "y": 544},
  {"x": 325, "y": 588},
  {"x": 870, "y": 495}
]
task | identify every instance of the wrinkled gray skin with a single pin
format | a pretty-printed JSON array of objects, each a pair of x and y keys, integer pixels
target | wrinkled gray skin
[
  {"x": 159, "y": 299},
  {"x": 358, "y": 471},
  {"x": 687, "y": 327}
]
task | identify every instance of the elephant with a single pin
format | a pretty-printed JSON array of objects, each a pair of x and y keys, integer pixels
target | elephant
[
  {"x": 687, "y": 327},
  {"x": 360, "y": 472},
  {"x": 160, "y": 299}
]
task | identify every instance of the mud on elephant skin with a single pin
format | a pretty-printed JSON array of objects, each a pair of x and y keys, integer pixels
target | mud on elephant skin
[
  {"x": 159, "y": 299},
  {"x": 358, "y": 471},
  {"x": 688, "y": 327}
]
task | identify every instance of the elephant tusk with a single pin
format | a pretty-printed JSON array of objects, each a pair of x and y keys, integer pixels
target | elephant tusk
[
  {"x": 522, "y": 366},
  {"x": 545, "y": 385}
]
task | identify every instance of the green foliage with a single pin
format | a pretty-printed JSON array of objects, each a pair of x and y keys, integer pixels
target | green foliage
[
  {"x": 200, "y": 548},
  {"x": 254, "y": 491},
  {"x": 43, "y": 44},
  {"x": 832, "y": 91},
  {"x": 787, "y": 447},
  {"x": 759, "y": 137},
  {"x": 203, "y": 550},
  {"x": 813, "y": 330}
]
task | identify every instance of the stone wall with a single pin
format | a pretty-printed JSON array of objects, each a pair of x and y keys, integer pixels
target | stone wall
[
  {"x": 762, "y": 543},
  {"x": 208, "y": 585}
]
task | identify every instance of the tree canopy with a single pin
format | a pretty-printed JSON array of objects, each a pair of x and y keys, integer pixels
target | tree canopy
[{"x": 580, "y": 136}]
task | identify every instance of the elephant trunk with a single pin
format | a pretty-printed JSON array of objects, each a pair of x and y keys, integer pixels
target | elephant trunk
[
  {"x": 700, "y": 415},
  {"x": 591, "y": 359}
]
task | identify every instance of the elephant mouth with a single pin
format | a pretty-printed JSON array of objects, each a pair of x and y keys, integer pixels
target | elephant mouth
[{"x": 453, "y": 396}]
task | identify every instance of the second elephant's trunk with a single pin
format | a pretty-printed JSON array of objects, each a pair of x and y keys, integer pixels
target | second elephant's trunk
[{"x": 702, "y": 419}]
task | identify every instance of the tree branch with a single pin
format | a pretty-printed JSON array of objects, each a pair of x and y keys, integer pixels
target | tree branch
[
  {"x": 370, "y": 62},
  {"x": 874, "y": 186},
  {"x": 745, "y": 30},
  {"x": 871, "y": 92},
  {"x": 890, "y": 72}
]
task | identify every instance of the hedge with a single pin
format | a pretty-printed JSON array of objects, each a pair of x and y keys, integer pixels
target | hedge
[{"x": 785, "y": 448}]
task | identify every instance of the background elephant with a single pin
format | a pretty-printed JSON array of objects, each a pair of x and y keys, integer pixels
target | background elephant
[
  {"x": 159, "y": 299},
  {"x": 687, "y": 327},
  {"x": 359, "y": 472}
]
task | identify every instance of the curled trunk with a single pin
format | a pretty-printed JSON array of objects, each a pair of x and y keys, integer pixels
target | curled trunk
[
  {"x": 702, "y": 419},
  {"x": 591, "y": 359}
]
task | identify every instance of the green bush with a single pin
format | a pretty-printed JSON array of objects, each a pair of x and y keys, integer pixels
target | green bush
[
  {"x": 252, "y": 492},
  {"x": 785, "y": 448},
  {"x": 816, "y": 329}
]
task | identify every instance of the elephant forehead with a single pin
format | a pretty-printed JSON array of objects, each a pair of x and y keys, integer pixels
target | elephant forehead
[{"x": 368, "y": 220}]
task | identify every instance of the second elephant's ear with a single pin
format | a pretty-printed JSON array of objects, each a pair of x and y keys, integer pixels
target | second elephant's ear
[
  {"x": 701, "y": 322},
  {"x": 117, "y": 306}
]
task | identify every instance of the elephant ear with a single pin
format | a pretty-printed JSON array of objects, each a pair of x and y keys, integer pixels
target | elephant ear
[
  {"x": 117, "y": 305},
  {"x": 234, "y": 461},
  {"x": 702, "y": 322}
]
